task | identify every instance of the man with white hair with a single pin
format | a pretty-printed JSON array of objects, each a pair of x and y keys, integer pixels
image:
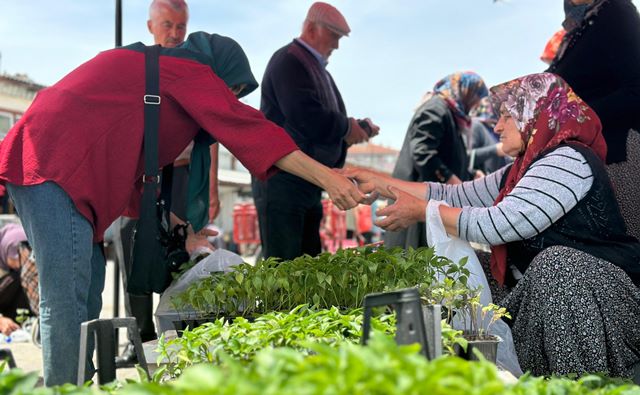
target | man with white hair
[
  {"x": 168, "y": 24},
  {"x": 299, "y": 94}
]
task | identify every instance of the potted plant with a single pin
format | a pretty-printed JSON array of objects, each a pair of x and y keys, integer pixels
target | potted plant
[
  {"x": 462, "y": 310},
  {"x": 478, "y": 337}
]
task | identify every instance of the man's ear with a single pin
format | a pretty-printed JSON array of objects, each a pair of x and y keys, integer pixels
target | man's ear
[{"x": 149, "y": 26}]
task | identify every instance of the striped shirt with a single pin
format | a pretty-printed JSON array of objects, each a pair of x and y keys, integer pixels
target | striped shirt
[{"x": 551, "y": 187}]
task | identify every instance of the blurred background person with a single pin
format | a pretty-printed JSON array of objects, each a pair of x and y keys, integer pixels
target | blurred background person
[
  {"x": 551, "y": 48},
  {"x": 599, "y": 57},
  {"x": 486, "y": 153},
  {"x": 18, "y": 277},
  {"x": 434, "y": 146}
]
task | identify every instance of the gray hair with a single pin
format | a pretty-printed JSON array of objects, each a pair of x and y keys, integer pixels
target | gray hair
[{"x": 177, "y": 5}]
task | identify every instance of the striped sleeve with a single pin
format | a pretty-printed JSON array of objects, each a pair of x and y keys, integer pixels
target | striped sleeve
[
  {"x": 481, "y": 192},
  {"x": 550, "y": 188}
]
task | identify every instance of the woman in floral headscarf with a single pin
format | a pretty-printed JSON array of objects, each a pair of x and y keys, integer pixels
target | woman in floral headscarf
[
  {"x": 434, "y": 147},
  {"x": 555, "y": 228}
]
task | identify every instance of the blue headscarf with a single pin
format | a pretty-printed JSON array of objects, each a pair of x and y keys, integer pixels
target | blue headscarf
[
  {"x": 229, "y": 62},
  {"x": 461, "y": 91}
]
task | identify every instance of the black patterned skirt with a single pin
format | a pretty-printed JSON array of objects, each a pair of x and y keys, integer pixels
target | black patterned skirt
[
  {"x": 625, "y": 177},
  {"x": 575, "y": 313}
]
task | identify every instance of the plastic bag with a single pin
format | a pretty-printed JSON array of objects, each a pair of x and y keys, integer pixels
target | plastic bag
[
  {"x": 218, "y": 261},
  {"x": 456, "y": 249}
]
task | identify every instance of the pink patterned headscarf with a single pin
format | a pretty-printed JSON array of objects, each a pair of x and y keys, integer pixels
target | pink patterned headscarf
[{"x": 548, "y": 113}]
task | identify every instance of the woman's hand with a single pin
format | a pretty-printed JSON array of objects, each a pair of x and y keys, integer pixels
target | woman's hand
[
  {"x": 199, "y": 240},
  {"x": 7, "y": 326},
  {"x": 406, "y": 211},
  {"x": 342, "y": 191},
  {"x": 368, "y": 181}
]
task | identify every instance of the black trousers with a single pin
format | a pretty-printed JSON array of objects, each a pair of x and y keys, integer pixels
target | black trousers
[
  {"x": 139, "y": 307},
  {"x": 289, "y": 213},
  {"x": 12, "y": 296}
]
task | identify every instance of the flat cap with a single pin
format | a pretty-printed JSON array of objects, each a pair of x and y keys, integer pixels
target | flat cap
[{"x": 327, "y": 15}]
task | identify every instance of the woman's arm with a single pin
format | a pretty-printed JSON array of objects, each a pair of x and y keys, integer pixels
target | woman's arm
[
  {"x": 408, "y": 209},
  {"x": 481, "y": 192},
  {"x": 341, "y": 191},
  {"x": 548, "y": 190}
]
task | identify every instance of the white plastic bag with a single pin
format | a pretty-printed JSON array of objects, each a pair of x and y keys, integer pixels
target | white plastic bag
[
  {"x": 218, "y": 261},
  {"x": 456, "y": 249}
]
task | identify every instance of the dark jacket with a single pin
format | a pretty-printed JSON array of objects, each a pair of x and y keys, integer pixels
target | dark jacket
[
  {"x": 433, "y": 148},
  {"x": 602, "y": 65},
  {"x": 299, "y": 95}
]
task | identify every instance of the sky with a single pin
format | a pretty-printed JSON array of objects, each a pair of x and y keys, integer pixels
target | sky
[{"x": 396, "y": 51}]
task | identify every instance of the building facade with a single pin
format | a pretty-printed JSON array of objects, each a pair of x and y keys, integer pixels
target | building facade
[{"x": 16, "y": 94}]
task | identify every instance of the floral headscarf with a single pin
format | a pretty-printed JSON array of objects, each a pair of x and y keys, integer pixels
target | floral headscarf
[
  {"x": 461, "y": 91},
  {"x": 548, "y": 113}
]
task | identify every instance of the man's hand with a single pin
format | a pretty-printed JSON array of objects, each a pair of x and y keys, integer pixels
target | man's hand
[
  {"x": 199, "y": 240},
  {"x": 356, "y": 134},
  {"x": 7, "y": 326},
  {"x": 375, "y": 129},
  {"x": 406, "y": 211}
]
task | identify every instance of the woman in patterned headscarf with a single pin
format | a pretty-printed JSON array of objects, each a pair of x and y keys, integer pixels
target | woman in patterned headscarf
[
  {"x": 434, "y": 146},
  {"x": 557, "y": 236},
  {"x": 15, "y": 292}
]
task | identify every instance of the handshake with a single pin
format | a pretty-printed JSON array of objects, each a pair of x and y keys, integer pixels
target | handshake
[
  {"x": 367, "y": 185},
  {"x": 361, "y": 130}
]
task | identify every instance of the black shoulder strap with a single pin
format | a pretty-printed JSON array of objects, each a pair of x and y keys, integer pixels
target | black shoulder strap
[
  {"x": 152, "y": 100},
  {"x": 151, "y": 178}
]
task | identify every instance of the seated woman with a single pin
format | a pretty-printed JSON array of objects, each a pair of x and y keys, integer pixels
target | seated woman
[
  {"x": 18, "y": 277},
  {"x": 556, "y": 232}
]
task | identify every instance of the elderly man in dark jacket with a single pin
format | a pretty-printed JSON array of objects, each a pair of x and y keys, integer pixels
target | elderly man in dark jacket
[{"x": 299, "y": 94}]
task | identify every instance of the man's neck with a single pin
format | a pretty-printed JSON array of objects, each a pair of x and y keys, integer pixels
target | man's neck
[{"x": 321, "y": 59}]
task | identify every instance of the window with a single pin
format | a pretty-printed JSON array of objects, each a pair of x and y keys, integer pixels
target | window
[{"x": 6, "y": 121}]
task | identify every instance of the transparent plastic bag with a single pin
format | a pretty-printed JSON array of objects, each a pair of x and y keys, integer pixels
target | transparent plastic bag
[
  {"x": 218, "y": 261},
  {"x": 456, "y": 249}
]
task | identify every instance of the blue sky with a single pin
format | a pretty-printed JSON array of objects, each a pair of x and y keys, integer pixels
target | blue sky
[{"x": 397, "y": 49}]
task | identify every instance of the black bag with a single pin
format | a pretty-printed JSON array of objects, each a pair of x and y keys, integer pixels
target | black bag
[{"x": 157, "y": 249}]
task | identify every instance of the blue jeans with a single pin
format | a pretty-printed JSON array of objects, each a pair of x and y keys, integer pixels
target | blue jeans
[{"x": 71, "y": 270}]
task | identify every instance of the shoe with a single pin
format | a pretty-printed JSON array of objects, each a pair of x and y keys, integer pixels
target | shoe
[{"x": 128, "y": 358}]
